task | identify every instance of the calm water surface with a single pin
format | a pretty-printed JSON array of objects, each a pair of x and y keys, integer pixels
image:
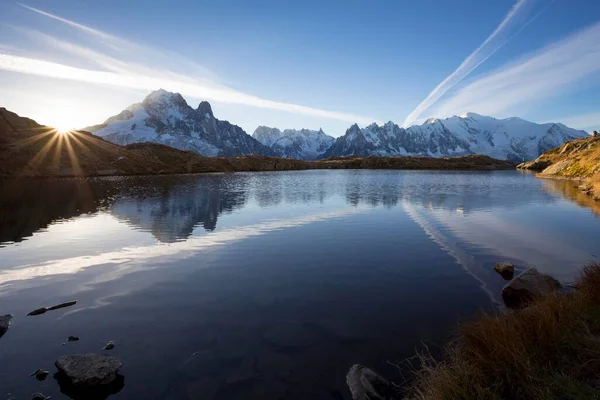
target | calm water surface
[{"x": 277, "y": 282}]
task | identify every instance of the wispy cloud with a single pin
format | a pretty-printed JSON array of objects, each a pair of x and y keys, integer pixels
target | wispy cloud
[
  {"x": 519, "y": 16},
  {"x": 151, "y": 69},
  {"x": 539, "y": 76}
]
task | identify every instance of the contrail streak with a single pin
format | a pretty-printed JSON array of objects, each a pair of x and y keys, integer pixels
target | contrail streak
[{"x": 494, "y": 42}]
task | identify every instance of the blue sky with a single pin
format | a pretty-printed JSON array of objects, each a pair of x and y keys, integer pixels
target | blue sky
[{"x": 305, "y": 64}]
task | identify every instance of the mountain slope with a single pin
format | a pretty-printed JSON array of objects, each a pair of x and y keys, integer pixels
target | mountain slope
[
  {"x": 164, "y": 117},
  {"x": 303, "y": 144},
  {"x": 512, "y": 139}
]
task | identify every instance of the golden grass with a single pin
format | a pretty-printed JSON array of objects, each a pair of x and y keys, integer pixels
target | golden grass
[{"x": 550, "y": 350}]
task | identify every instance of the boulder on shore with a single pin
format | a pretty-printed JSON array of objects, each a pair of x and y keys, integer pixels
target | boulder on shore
[
  {"x": 505, "y": 269},
  {"x": 528, "y": 286},
  {"x": 4, "y": 323},
  {"x": 88, "y": 370},
  {"x": 364, "y": 384}
]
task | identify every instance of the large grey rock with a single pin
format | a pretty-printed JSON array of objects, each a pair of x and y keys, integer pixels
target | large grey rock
[
  {"x": 528, "y": 286},
  {"x": 89, "y": 370},
  {"x": 364, "y": 384},
  {"x": 4, "y": 323}
]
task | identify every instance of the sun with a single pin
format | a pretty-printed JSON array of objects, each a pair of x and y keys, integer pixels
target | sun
[{"x": 62, "y": 129}]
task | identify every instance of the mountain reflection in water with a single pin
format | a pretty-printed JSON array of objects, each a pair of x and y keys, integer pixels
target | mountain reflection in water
[{"x": 171, "y": 207}]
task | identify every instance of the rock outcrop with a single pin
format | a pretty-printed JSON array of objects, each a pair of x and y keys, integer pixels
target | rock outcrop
[
  {"x": 527, "y": 287},
  {"x": 577, "y": 159}
]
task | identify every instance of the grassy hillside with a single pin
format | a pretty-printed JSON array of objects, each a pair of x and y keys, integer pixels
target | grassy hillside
[
  {"x": 30, "y": 149},
  {"x": 550, "y": 350},
  {"x": 577, "y": 159}
]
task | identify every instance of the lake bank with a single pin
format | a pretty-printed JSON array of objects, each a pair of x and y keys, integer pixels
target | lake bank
[{"x": 547, "y": 350}]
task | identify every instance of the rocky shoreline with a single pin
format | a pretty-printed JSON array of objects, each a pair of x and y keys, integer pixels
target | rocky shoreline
[{"x": 577, "y": 160}]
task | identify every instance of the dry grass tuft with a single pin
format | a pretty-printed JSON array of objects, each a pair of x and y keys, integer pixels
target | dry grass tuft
[{"x": 550, "y": 350}]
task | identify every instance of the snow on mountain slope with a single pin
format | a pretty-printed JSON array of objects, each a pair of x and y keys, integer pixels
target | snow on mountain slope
[
  {"x": 512, "y": 139},
  {"x": 303, "y": 144},
  {"x": 165, "y": 117}
]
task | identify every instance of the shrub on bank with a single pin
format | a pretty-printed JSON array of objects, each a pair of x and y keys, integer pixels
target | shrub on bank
[{"x": 549, "y": 350}]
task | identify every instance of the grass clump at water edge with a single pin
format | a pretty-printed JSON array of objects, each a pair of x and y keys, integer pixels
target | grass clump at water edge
[{"x": 549, "y": 350}]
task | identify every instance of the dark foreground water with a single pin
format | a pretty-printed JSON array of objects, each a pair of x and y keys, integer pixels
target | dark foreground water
[{"x": 267, "y": 285}]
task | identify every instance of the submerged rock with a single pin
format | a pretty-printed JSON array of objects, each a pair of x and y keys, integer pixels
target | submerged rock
[
  {"x": 505, "y": 269},
  {"x": 43, "y": 310},
  {"x": 40, "y": 374},
  {"x": 5, "y": 323},
  {"x": 72, "y": 338},
  {"x": 528, "y": 286},
  {"x": 109, "y": 346},
  {"x": 38, "y": 311},
  {"x": 364, "y": 384},
  {"x": 63, "y": 305},
  {"x": 88, "y": 370},
  {"x": 39, "y": 396}
]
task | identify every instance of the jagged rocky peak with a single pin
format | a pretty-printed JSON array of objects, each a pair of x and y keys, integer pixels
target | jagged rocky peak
[
  {"x": 165, "y": 117},
  {"x": 205, "y": 109},
  {"x": 305, "y": 144}
]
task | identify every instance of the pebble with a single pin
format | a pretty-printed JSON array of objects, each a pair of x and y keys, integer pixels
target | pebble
[{"x": 109, "y": 346}]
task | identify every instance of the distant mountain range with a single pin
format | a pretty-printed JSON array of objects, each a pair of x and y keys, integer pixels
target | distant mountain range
[
  {"x": 302, "y": 144},
  {"x": 512, "y": 139},
  {"x": 165, "y": 117}
]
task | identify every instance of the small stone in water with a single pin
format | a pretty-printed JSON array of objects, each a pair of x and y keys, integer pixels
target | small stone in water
[
  {"x": 39, "y": 396},
  {"x": 109, "y": 346},
  {"x": 73, "y": 338},
  {"x": 40, "y": 374}
]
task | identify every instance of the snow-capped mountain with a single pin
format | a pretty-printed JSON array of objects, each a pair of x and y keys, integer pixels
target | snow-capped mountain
[
  {"x": 165, "y": 117},
  {"x": 303, "y": 144},
  {"x": 512, "y": 139}
]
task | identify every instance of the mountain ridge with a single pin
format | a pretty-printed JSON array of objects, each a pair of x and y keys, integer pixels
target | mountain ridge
[
  {"x": 166, "y": 118},
  {"x": 513, "y": 139}
]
